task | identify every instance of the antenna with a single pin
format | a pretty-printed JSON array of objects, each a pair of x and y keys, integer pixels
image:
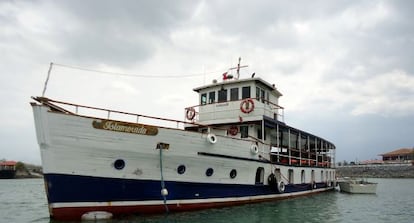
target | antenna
[{"x": 238, "y": 68}]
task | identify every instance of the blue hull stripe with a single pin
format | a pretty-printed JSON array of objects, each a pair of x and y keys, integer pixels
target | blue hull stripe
[{"x": 74, "y": 188}]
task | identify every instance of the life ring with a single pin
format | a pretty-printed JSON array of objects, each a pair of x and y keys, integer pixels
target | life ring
[
  {"x": 247, "y": 106},
  {"x": 254, "y": 149},
  {"x": 233, "y": 130},
  {"x": 212, "y": 138},
  {"x": 281, "y": 187},
  {"x": 190, "y": 114}
]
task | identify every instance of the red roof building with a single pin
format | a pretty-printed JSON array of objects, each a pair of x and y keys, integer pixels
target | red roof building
[
  {"x": 402, "y": 155},
  {"x": 8, "y": 165}
]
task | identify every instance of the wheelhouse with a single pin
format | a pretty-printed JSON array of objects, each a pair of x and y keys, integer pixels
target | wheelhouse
[{"x": 248, "y": 109}]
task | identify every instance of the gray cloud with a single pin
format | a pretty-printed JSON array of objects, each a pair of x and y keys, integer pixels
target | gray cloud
[{"x": 345, "y": 65}]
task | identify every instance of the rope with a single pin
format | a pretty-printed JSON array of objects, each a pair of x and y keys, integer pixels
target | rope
[
  {"x": 163, "y": 183},
  {"x": 136, "y": 75}
]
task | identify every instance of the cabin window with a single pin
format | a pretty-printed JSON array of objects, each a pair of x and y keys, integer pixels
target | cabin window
[
  {"x": 233, "y": 173},
  {"x": 211, "y": 97},
  {"x": 312, "y": 143},
  {"x": 181, "y": 169},
  {"x": 302, "y": 176},
  {"x": 284, "y": 138},
  {"x": 262, "y": 94},
  {"x": 303, "y": 142},
  {"x": 203, "y": 99},
  {"x": 259, "y": 132},
  {"x": 234, "y": 94},
  {"x": 293, "y": 140},
  {"x": 244, "y": 131},
  {"x": 119, "y": 164},
  {"x": 290, "y": 176},
  {"x": 259, "y": 175},
  {"x": 246, "y": 92},
  {"x": 222, "y": 95},
  {"x": 267, "y": 97},
  {"x": 209, "y": 172}
]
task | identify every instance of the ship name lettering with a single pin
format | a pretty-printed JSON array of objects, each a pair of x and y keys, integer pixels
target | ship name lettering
[{"x": 123, "y": 128}]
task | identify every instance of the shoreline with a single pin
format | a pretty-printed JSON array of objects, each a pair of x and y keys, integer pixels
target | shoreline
[{"x": 376, "y": 171}]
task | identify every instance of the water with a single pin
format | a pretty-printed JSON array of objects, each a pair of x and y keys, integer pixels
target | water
[{"x": 25, "y": 201}]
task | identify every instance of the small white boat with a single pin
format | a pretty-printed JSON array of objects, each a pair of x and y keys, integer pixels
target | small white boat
[{"x": 357, "y": 186}]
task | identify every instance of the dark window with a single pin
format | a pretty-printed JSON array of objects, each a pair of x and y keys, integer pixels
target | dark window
[
  {"x": 293, "y": 139},
  {"x": 222, "y": 95},
  {"x": 119, "y": 164},
  {"x": 244, "y": 131},
  {"x": 304, "y": 142},
  {"x": 259, "y": 175},
  {"x": 246, "y": 92},
  {"x": 284, "y": 138},
  {"x": 209, "y": 172},
  {"x": 203, "y": 99},
  {"x": 262, "y": 95},
  {"x": 312, "y": 143},
  {"x": 234, "y": 94},
  {"x": 181, "y": 169},
  {"x": 290, "y": 176},
  {"x": 267, "y": 97},
  {"x": 302, "y": 176},
  {"x": 211, "y": 97},
  {"x": 233, "y": 173},
  {"x": 258, "y": 93},
  {"x": 259, "y": 132}
]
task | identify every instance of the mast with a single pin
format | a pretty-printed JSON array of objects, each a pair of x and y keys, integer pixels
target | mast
[{"x": 238, "y": 68}]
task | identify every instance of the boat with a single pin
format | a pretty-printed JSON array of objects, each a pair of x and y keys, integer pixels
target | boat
[
  {"x": 7, "y": 169},
  {"x": 232, "y": 148},
  {"x": 354, "y": 186}
]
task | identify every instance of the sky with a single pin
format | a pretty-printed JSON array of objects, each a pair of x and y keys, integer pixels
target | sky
[{"x": 345, "y": 68}]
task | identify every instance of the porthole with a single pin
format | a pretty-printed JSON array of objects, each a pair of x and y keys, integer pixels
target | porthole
[
  {"x": 233, "y": 173},
  {"x": 119, "y": 164},
  {"x": 181, "y": 169},
  {"x": 209, "y": 172}
]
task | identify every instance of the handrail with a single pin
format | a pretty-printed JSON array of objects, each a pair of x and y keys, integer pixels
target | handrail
[{"x": 51, "y": 102}]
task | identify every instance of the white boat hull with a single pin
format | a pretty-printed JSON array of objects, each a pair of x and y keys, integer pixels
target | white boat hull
[
  {"x": 358, "y": 187},
  {"x": 88, "y": 170}
]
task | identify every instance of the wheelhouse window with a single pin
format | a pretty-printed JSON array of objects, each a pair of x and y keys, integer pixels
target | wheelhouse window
[
  {"x": 234, "y": 94},
  {"x": 260, "y": 94},
  {"x": 246, "y": 92},
  {"x": 203, "y": 99},
  {"x": 222, "y": 95},
  {"x": 244, "y": 131},
  {"x": 211, "y": 97},
  {"x": 267, "y": 97}
]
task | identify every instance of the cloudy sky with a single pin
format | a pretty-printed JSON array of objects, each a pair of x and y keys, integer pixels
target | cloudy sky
[{"x": 346, "y": 68}]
